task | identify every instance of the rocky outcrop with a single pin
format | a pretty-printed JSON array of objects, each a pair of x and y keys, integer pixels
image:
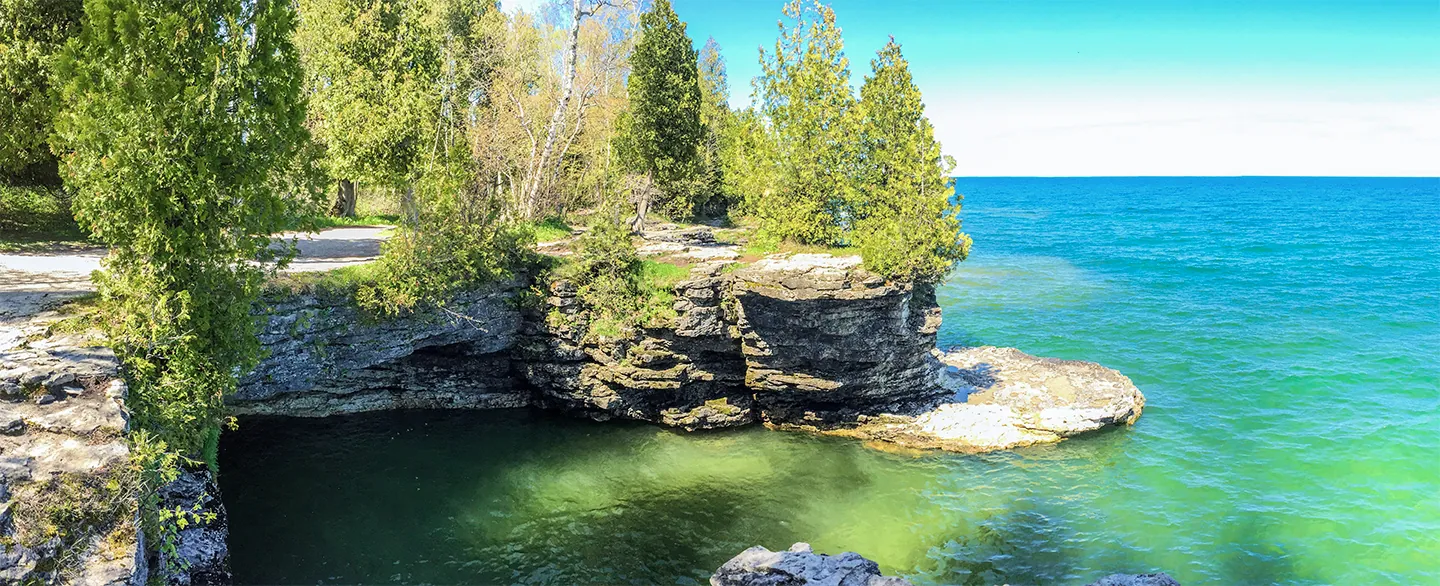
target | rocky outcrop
[
  {"x": 324, "y": 355},
  {"x": 800, "y": 566},
  {"x": 62, "y": 421},
  {"x": 690, "y": 375},
  {"x": 826, "y": 341},
  {"x": 68, "y": 507},
  {"x": 201, "y": 551},
  {"x": 1003, "y": 398},
  {"x": 798, "y": 341}
]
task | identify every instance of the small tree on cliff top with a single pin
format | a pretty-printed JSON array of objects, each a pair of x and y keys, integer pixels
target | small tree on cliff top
[
  {"x": 664, "y": 131},
  {"x": 179, "y": 118},
  {"x": 904, "y": 219}
]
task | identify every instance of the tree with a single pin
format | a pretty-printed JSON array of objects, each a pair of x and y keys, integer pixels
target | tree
[
  {"x": 804, "y": 93},
  {"x": 32, "y": 33},
  {"x": 665, "y": 132},
  {"x": 371, "y": 69},
  {"x": 717, "y": 118},
  {"x": 904, "y": 220},
  {"x": 180, "y": 119}
]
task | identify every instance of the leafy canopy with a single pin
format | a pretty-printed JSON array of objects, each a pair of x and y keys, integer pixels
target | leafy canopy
[
  {"x": 180, "y": 119},
  {"x": 804, "y": 94},
  {"x": 664, "y": 134},
  {"x": 905, "y": 222}
]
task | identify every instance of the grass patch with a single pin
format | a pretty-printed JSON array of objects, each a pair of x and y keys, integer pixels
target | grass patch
[
  {"x": 757, "y": 247},
  {"x": 551, "y": 229},
  {"x": 36, "y": 218},
  {"x": 343, "y": 281}
]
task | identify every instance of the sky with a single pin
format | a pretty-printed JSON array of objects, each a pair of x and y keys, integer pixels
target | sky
[{"x": 1142, "y": 87}]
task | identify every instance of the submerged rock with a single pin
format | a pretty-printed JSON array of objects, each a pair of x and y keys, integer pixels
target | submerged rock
[
  {"x": 1160, "y": 579},
  {"x": 1004, "y": 398},
  {"x": 800, "y": 566}
]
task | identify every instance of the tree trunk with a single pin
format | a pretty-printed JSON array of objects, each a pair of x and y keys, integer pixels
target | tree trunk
[
  {"x": 344, "y": 200},
  {"x": 557, "y": 118},
  {"x": 408, "y": 207}
]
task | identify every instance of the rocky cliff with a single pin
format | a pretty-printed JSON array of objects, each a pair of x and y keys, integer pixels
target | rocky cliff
[
  {"x": 324, "y": 355},
  {"x": 805, "y": 341}
]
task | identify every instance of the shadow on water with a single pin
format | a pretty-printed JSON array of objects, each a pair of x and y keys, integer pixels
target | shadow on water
[
  {"x": 1022, "y": 545},
  {"x": 1251, "y": 557}
]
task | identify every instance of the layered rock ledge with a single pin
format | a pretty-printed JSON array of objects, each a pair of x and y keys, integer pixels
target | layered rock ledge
[
  {"x": 808, "y": 342},
  {"x": 1004, "y": 398}
]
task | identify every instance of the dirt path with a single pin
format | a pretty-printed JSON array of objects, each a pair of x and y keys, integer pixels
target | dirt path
[{"x": 30, "y": 282}]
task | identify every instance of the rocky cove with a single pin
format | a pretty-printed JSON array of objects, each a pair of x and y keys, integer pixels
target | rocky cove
[{"x": 800, "y": 342}]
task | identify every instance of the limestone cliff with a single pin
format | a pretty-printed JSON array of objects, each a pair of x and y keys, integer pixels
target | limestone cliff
[{"x": 796, "y": 341}]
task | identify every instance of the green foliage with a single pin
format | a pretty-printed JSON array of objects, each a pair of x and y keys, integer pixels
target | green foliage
[
  {"x": 153, "y": 465},
  {"x": 371, "y": 70},
  {"x": 620, "y": 291},
  {"x": 180, "y": 122},
  {"x": 459, "y": 239},
  {"x": 32, "y": 32},
  {"x": 804, "y": 92},
  {"x": 551, "y": 229},
  {"x": 717, "y": 118},
  {"x": 36, "y": 216},
  {"x": 663, "y": 135},
  {"x": 905, "y": 223}
]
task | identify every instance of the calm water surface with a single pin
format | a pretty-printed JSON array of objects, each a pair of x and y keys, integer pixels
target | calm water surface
[{"x": 1284, "y": 331}]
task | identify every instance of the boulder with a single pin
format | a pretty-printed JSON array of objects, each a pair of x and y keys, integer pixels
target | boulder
[
  {"x": 1160, "y": 579},
  {"x": 800, "y": 566}
]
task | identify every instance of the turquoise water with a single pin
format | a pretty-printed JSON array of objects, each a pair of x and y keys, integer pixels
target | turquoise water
[{"x": 1284, "y": 331}]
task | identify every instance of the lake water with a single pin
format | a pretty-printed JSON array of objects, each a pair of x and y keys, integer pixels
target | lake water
[{"x": 1285, "y": 333}]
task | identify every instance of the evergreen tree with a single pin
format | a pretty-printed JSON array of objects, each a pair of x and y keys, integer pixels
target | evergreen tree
[
  {"x": 804, "y": 92},
  {"x": 664, "y": 130},
  {"x": 180, "y": 117},
  {"x": 371, "y": 69},
  {"x": 716, "y": 117},
  {"x": 32, "y": 32},
  {"x": 905, "y": 222}
]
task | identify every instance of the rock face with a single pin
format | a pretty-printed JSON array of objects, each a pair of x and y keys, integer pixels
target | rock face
[
  {"x": 325, "y": 356},
  {"x": 1004, "y": 398},
  {"x": 805, "y": 341},
  {"x": 825, "y": 341},
  {"x": 690, "y": 376},
  {"x": 62, "y": 421},
  {"x": 799, "y": 566},
  {"x": 201, "y": 552}
]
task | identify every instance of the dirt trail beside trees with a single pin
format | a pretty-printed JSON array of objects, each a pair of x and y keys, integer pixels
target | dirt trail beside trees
[{"x": 31, "y": 282}]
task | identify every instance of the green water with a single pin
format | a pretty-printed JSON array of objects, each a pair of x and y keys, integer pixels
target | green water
[{"x": 1285, "y": 332}]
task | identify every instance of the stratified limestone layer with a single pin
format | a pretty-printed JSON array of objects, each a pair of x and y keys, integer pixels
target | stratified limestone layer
[{"x": 1004, "y": 398}]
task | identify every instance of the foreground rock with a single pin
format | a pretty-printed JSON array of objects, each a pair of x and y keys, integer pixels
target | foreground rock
[
  {"x": 799, "y": 566},
  {"x": 1004, "y": 398},
  {"x": 1161, "y": 579},
  {"x": 68, "y": 514}
]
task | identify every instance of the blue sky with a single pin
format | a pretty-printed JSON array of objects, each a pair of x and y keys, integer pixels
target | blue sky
[{"x": 1153, "y": 87}]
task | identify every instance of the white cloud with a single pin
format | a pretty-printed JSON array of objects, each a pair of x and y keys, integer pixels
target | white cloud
[{"x": 1067, "y": 136}]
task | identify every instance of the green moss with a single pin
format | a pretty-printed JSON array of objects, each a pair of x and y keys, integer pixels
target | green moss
[{"x": 76, "y": 508}]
